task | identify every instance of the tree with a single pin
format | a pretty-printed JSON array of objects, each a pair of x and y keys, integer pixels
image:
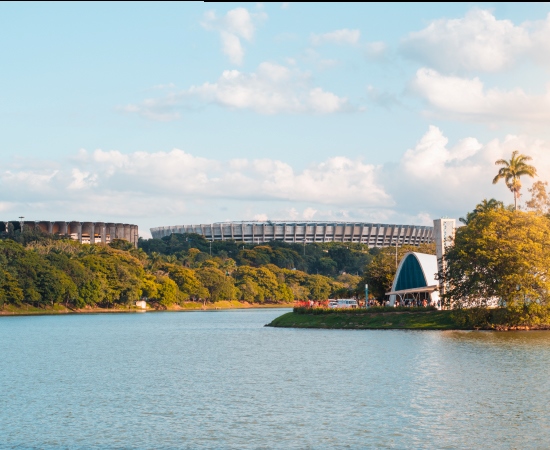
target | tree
[
  {"x": 512, "y": 171},
  {"x": 167, "y": 291},
  {"x": 485, "y": 205},
  {"x": 500, "y": 254},
  {"x": 188, "y": 283},
  {"x": 220, "y": 286},
  {"x": 319, "y": 287},
  {"x": 540, "y": 200}
]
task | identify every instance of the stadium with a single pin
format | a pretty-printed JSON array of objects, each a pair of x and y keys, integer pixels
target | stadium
[
  {"x": 83, "y": 232},
  {"x": 255, "y": 232}
]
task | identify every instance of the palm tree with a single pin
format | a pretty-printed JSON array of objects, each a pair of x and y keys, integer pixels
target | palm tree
[
  {"x": 485, "y": 205},
  {"x": 512, "y": 171}
]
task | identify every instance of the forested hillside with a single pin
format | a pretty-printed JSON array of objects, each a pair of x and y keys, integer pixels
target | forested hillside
[{"x": 43, "y": 270}]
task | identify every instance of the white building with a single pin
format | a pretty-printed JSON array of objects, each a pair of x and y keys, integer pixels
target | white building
[
  {"x": 417, "y": 274},
  {"x": 372, "y": 234}
]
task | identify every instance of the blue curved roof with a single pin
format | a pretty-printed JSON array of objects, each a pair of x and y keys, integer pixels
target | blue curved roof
[{"x": 416, "y": 270}]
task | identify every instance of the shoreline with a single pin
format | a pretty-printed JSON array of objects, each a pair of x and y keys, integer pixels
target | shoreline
[
  {"x": 188, "y": 307},
  {"x": 425, "y": 320}
]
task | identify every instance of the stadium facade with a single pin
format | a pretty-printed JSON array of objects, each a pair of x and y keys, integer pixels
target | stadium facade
[
  {"x": 83, "y": 232},
  {"x": 372, "y": 234}
]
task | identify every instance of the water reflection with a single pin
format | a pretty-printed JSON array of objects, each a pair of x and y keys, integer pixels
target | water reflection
[{"x": 222, "y": 380}]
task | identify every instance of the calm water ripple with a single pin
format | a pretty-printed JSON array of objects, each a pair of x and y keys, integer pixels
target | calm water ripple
[{"x": 223, "y": 380}]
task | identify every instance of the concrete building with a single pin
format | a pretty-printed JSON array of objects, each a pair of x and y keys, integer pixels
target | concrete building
[
  {"x": 83, "y": 232},
  {"x": 372, "y": 234},
  {"x": 415, "y": 279},
  {"x": 417, "y": 274}
]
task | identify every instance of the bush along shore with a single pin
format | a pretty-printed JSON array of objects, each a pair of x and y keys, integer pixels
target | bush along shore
[
  {"x": 381, "y": 318},
  {"x": 30, "y": 310}
]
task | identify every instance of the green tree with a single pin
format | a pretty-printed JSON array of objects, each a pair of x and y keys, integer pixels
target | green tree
[
  {"x": 319, "y": 287},
  {"x": 10, "y": 292},
  {"x": 167, "y": 291},
  {"x": 485, "y": 205},
  {"x": 219, "y": 286},
  {"x": 188, "y": 283},
  {"x": 500, "y": 254},
  {"x": 511, "y": 172}
]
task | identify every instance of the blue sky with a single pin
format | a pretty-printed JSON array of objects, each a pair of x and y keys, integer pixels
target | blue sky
[{"x": 165, "y": 114}]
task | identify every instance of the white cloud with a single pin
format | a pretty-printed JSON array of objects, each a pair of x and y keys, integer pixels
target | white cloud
[
  {"x": 309, "y": 213},
  {"x": 469, "y": 99},
  {"x": 432, "y": 178},
  {"x": 441, "y": 179},
  {"x": 158, "y": 184},
  {"x": 237, "y": 24},
  {"x": 342, "y": 37},
  {"x": 82, "y": 180},
  {"x": 272, "y": 89},
  {"x": 540, "y": 40},
  {"x": 477, "y": 41}
]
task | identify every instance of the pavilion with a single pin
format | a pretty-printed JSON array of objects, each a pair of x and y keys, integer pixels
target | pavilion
[{"x": 416, "y": 280}]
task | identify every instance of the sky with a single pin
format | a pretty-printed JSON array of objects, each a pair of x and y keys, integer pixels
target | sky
[{"x": 185, "y": 113}]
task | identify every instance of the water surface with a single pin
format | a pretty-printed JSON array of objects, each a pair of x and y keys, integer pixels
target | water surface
[{"x": 220, "y": 379}]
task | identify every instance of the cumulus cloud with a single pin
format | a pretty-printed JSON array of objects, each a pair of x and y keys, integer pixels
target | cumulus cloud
[
  {"x": 272, "y": 89},
  {"x": 451, "y": 179},
  {"x": 82, "y": 180},
  {"x": 469, "y": 99},
  {"x": 432, "y": 178},
  {"x": 341, "y": 37},
  {"x": 478, "y": 42},
  {"x": 179, "y": 173},
  {"x": 237, "y": 24}
]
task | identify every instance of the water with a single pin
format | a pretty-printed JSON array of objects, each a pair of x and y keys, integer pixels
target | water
[{"x": 222, "y": 380}]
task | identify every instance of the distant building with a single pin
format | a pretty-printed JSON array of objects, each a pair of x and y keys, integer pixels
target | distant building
[
  {"x": 372, "y": 234},
  {"x": 141, "y": 304},
  {"x": 83, "y": 232}
]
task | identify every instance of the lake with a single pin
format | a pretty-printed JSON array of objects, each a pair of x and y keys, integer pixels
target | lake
[{"x": 220, "y": 379}]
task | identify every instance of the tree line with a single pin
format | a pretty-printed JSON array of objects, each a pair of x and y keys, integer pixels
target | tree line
[{"x": 44, "y": 270}]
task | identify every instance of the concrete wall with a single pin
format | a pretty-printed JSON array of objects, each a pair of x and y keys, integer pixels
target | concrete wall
[
  {"x": 375, "y": 235},
  {"x": 83, "y": 232}
]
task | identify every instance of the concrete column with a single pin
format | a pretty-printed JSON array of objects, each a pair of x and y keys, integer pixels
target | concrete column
[
  {"x": 88, "y": 230},
  {"x": 99, "y": 229},
  {"x": 127, "y": 233},
  {"x": 119, "y": 231},
  {"x": 45, "y": 227},
  {"x": 112, "y": 231},
  {"x": 60, "y": 228},
  {"x": 75, "y": 228},
  {"x": 135, "y": 235}
]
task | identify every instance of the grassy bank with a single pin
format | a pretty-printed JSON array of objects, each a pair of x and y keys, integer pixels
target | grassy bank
[
  {"x": 417, "y": 320},
  {"x": 29, "y": 310}
]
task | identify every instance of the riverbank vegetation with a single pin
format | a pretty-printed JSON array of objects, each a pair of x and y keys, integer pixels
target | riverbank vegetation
[
  {"x": 365, "y": 319},
  {"x": 180, "y": 271},
  {"x": 404, "y": 318}
]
